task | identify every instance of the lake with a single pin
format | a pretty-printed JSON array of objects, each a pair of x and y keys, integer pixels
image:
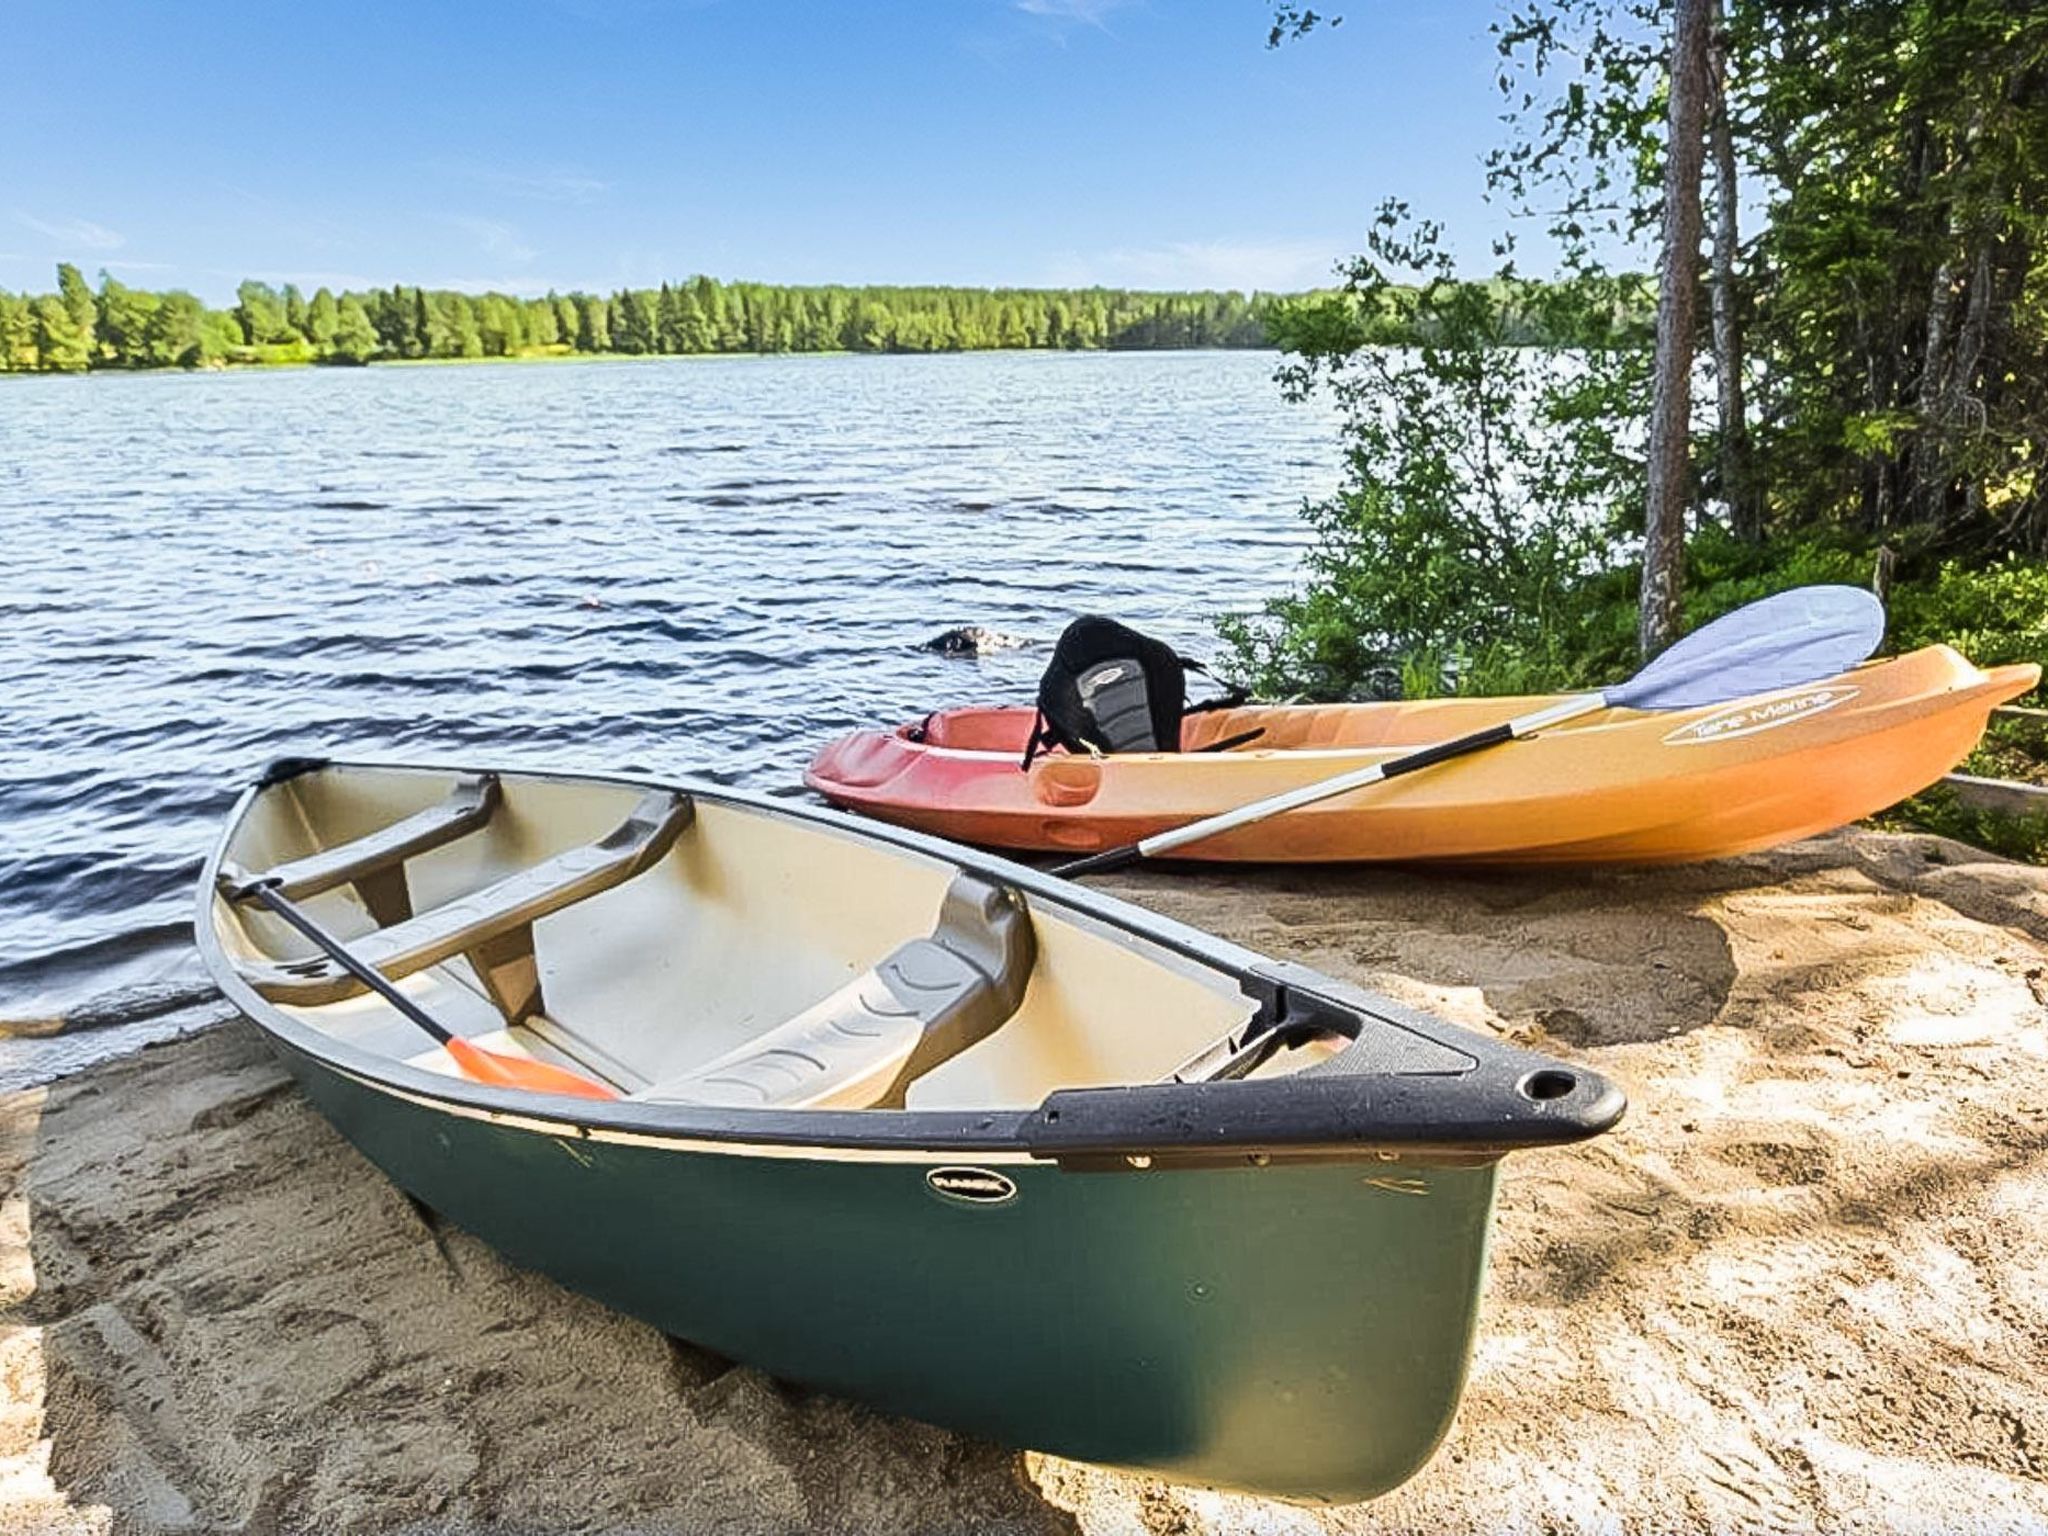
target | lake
[{"x": 684, "y": 566}]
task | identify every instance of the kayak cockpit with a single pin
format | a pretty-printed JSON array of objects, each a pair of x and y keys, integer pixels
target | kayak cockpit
[
  {"x": 1004, "y": 731},
  {"x": 673, "y": 949}
]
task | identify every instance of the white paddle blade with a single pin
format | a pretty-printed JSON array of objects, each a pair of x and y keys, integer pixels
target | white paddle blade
[{"x": 1777, "y": 642}]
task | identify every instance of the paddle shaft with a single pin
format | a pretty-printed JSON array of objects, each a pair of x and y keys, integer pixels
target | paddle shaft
[
  {"x": 1323, "y": 789},
  {"x": 491, "y": 1068},
  {"x": 338, "y": 952}
]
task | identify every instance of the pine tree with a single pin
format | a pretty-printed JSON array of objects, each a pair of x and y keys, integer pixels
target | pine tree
[
  {"x": 323, "y": 317},
  {"x": 173, "y": 337},
  {"x": 17, "y": 333},
  {"x": 124, "y": 321},
  {"x": 543, "y": 326},
  {"x": 593, "y": 324},
  {"x": 633, "y": 322},
  {"x": 79, "y": 305},
  {"x": 261, "y": 314},
  {"x": 355, "y": 339},
  {"x": 668, "y": 321},
  {"x": 61, "y": 346}
]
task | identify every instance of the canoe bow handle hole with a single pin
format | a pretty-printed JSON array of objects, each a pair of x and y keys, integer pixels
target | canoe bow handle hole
[{"x": 1548, "y": 1084}]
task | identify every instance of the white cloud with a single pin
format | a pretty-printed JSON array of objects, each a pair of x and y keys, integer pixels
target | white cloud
[
  {"x": 496, "y": 238},
  {"x": 1240, "y": 264},
  {"x": 1089, "y": 11},
  {"x": 306, "y": 281},
  {"x": 517, "y": 287},
  {"x": 542, "y": 184},
  {"x": 75, "y": 232}
]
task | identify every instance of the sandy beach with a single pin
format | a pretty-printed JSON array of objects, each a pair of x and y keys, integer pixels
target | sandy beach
[{"x": 1805, "y": 1286}]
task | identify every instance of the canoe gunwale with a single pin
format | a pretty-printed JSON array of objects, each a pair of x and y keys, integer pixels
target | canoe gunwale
[{"x": 1501, "y": 1099}]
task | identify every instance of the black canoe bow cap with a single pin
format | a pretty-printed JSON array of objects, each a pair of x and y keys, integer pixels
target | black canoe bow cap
[
  {"x": 282, "y": 769},
  {"x": 1405, "y": 1081}
]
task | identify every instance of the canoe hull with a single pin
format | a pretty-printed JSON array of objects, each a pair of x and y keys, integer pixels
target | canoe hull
[
  {"x": 1184, "y": 1208},
  {"x": 1302, "y": 1330},
  {"x": 1623, "y": 787}
]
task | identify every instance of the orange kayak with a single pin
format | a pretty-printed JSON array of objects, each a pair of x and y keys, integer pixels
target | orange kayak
[{"x": 1621, "y": 786}]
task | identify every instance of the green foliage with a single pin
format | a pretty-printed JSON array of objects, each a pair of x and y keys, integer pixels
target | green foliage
[
  {"x": 79, "y": 304},
  {"x": 697, "y": 316},
  {"x": 355, "y": 339},
  {"x": 219, "y": 334},
  {"x": 124, "y": 318},
  {"x": 1485, "y": 483},
  {"x": 1895, "y": 305},
  {"x": 62, "y": 346},
  {"x": 705, "y": 315},
  {"x": 1993, "y": 614},
  {"x": 1900, "y": 317},
  {"x": 1938, "y": 810},
  {"x": 323, "y": 319},
  {"x": 176, "y": 335},
  {"x": 17, "y": 333},
  {"x": 261, "y": 314}
]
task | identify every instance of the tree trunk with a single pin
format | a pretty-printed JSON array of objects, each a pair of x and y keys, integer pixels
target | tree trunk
[
  {"x": 1929, "y": 479},
  {"x": 1677, "y": 297},
  {"x": 1738, "y": 483}
]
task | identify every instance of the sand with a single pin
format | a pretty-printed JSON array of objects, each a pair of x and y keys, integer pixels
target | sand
[{"x": 1804, "y": 1287}]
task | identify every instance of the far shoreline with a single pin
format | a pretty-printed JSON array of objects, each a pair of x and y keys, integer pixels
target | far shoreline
[{"x": 542, "y": 357}]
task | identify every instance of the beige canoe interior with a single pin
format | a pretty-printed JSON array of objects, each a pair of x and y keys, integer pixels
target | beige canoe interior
[{"x": 741, "y": 921}]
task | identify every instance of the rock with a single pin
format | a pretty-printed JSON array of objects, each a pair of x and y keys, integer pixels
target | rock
[{"x": 973, "y": 640}]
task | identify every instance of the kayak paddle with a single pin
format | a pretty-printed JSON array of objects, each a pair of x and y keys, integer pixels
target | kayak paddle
[
  {"x": 492, "y": 1068},
  {"x": 1796, "y": 637}
]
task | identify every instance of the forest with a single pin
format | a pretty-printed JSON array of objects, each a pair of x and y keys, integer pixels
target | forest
[
  {"x": 1846, "y": 376},
  {"x": 80, "y": 327}
]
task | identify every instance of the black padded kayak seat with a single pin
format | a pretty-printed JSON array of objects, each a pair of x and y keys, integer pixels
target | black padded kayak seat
[
  {"x": 924, "y": 1002},
  {"x": 1109, "y": 689},
  {"x": 493, "y": 927},
  {"x": 375, "y": 864}
]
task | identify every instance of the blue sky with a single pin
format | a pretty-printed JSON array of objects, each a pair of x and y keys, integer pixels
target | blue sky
[{"x": 595, "y": 143}]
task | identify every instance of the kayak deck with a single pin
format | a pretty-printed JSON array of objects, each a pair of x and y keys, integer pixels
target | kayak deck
[{"x": 1618, "y": 786}]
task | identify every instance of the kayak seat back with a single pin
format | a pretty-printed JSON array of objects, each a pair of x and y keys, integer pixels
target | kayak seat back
[
  {"x": 1109, "y": 689},
  {"x": 924, "y": 1002},
  {"x": 493, "y": 926}
]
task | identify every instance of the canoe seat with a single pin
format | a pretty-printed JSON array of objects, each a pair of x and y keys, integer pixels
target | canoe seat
[
  {"x": 922, "y": 1003},
  {"x": 493, "y": 927},
  {"x": 375, "y": 864}
]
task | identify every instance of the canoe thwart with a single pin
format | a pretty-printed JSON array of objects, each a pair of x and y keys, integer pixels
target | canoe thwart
[
  {"x": 924, "y": 1002},
  {"x": 494, "y": 926},
  {"x": 375, "y": 863}
]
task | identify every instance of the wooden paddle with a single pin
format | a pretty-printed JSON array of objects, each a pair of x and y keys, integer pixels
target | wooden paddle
[
  {"x": 473, "y": 1061},
  {"x": 1796, "y": 637}
]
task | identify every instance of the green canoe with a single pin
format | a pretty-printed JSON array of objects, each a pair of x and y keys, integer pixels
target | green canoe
[{"x": 890, "y": 1118}]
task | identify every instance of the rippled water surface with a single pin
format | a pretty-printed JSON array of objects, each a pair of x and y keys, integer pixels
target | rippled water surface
[{"x": 702, "y": 566}]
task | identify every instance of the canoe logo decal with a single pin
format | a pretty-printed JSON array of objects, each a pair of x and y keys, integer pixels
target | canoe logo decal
[
  {"x": 972, "y": 1186},
  {"x": 1763, "y": 715}
]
